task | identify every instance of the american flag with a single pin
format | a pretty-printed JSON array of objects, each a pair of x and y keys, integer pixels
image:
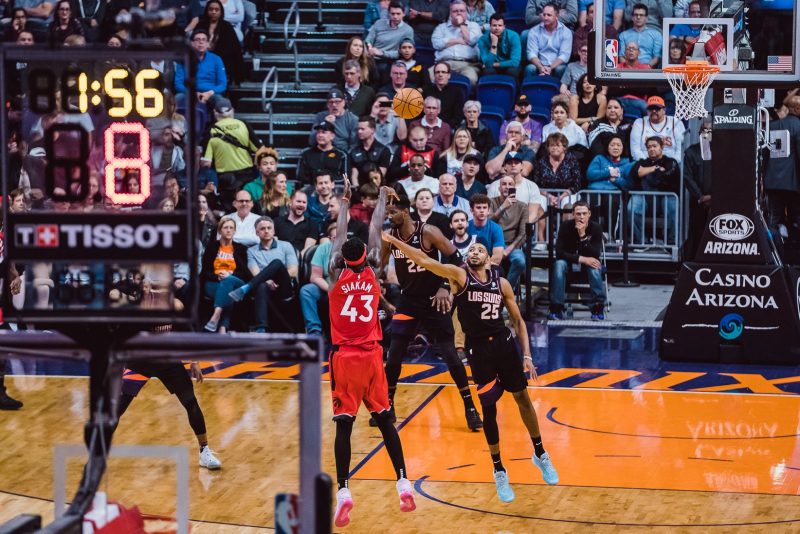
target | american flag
[{"x": 779, "y": 63}]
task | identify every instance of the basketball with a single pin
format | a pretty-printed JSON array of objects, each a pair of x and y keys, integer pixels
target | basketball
[{"x": 408, "y": 103}]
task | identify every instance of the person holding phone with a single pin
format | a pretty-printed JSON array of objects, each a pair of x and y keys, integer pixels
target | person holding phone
[{"x": 390, "y": 130}]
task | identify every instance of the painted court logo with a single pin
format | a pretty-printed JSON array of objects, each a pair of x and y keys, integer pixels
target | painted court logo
[{"x": 731, "y": 326}]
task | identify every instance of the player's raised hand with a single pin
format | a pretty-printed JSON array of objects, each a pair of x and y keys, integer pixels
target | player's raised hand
[
  {"x": 391, "y": 194},
  {"x": 348, "y": 189}
]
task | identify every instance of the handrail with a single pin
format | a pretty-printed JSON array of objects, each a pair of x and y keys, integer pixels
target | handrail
[
  {"x": 320, "y": 25},
  {"x": 292, "y": 45},
  {"x": 266, "y": 102}
]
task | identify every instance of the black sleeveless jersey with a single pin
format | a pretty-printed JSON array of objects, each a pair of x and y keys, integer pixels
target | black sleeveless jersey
[
  {"x": 415, "y": 281},
  {"x": 480, "y": 305}
]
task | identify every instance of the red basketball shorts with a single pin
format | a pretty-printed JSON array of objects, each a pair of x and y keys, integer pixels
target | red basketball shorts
[{"x": 357, "y": 376}]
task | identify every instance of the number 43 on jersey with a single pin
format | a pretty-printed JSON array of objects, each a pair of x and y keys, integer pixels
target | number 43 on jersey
[{"x": 353, "y": 311}]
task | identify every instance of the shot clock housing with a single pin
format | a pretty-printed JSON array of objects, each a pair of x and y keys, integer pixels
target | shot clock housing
[{"x": 84, "y": 135}]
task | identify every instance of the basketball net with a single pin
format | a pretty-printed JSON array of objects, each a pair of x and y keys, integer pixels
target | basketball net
[{"x": 690, "y": 82}]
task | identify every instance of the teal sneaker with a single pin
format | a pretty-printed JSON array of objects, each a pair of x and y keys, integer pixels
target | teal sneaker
[
  {"x": 504, "y": 491},
  {"x": 545, "y": 465}
]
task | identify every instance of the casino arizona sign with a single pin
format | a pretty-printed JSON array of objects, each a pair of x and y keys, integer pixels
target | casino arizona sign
[{"x": 704, "y": 278}]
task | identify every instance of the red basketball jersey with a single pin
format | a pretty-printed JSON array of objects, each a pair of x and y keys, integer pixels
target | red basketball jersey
[{"x": 353, "y": 307}]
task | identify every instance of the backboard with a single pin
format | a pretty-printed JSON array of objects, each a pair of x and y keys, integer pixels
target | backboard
[
  {"x": 94, "y": 217},
  {"x": 754, "y": 42}
]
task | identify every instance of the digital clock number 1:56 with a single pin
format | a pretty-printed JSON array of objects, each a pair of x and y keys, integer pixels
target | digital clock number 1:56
[{"x": 79, "y": 93}]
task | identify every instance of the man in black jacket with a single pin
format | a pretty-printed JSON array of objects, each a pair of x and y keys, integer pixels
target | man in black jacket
[
  {"x": 656, "y": 172},
  {"x": 697, "y": 179},
  {"x": 450, "y": 96},
  {"x": 579, "y": 244},
  {"x": 322, "y": 157}
]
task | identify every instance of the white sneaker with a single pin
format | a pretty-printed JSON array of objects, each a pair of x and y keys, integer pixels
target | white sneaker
[
  {"x": 539, "y": 247},
  {"x": 406, "y": 493},
  {"x": 344, "y": 503},
  {"x": 545, "y": 465},
  {"x": 208, "y": 459},
  {"x": 504, "y": 491}
]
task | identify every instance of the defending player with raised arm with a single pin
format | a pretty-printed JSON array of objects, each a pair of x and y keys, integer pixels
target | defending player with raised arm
[
  {"x": 480, "y": 293},
  {"x": 356, "y": 358},
  {"x": 425, "y": 299}
]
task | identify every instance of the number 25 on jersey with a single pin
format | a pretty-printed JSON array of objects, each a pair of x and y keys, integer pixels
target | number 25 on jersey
[{"x": 353, "y": 311}]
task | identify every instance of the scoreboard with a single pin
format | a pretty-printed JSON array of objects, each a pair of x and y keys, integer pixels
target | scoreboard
[{"x": 97, "y": 148}]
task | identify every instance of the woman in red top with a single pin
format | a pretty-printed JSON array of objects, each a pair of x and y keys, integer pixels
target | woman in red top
[{"x": 224, "y": 269}]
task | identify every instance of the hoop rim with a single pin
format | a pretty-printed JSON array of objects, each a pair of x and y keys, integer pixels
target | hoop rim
[{"x": 691, "y": 67}]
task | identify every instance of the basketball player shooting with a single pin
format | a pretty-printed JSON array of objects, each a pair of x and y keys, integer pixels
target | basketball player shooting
[
  {"x": 425, "y": 299},
  {"x": 480, "y": 293},
  {"x": 356, "y": 359}
]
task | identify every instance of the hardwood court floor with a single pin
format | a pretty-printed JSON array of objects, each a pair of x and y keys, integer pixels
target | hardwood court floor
[{"x": 628, "y": 460}]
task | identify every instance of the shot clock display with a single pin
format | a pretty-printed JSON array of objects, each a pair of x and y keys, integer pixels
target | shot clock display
[
  {"x": 96, "y": 142},
  {"x": 126, "y": 98},
  {"x": 124, "y": 91}
]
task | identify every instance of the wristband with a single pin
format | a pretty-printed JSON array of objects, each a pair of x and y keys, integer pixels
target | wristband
[{"x": 527, "y": 358}]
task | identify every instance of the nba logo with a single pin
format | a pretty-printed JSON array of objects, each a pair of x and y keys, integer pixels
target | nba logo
[
  {"x": 612, "y": 53},
  {"x": 286, "y": 513}
]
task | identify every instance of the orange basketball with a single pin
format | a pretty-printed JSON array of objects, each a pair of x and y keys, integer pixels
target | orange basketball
[{"x": 408, "y": 103}]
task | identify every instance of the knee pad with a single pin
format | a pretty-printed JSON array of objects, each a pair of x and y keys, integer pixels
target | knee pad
[
  {"x": 380, "y": 417},
  {"x": 490, "y": 393},
  {"x": 345, "y": 421}
]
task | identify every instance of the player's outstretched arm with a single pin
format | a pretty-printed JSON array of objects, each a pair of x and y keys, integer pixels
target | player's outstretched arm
[
  {"x": 336, "y": 263},
  {"x": 374, "y": 247},
  {"x": 456, "y": 275},
  {"x": 518, "y": 323}
]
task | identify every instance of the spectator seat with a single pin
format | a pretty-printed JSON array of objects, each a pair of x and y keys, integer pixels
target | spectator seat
[
  {"x": 497, "y": 90},
  {"x": 462, "y": 82},
  {"x": 540, "y": 90},
  {"x": 493, "y": 117},
  {"x": 304, "y": 273}
]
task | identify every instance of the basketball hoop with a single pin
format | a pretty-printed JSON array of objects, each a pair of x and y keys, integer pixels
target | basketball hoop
[{"x": 690, "y": 82}]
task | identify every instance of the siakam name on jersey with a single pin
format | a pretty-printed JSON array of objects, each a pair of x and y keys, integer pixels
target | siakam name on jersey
[{"x": 101, "y": 236}]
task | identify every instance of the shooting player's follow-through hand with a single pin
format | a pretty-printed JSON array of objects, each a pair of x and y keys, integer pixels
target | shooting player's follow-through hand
[{"x": 391, "y": 194}]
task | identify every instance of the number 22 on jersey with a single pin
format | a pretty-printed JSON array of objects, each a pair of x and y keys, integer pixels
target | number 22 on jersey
[{"x": 352, "y": 311}]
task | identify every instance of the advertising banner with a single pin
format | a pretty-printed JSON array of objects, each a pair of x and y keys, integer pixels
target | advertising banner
[{"x": 732, "y": 313}]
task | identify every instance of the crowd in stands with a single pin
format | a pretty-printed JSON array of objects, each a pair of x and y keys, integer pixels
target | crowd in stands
[{"x": 266, "y": 232}]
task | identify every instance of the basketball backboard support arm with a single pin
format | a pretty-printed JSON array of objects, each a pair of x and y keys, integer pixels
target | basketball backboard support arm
[{"x": 306, "y": 350}]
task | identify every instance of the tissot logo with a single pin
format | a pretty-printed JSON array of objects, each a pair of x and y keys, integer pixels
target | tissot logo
[
  {"x": 102, "y": 236},
  {"x": 731, "y": 227}
]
